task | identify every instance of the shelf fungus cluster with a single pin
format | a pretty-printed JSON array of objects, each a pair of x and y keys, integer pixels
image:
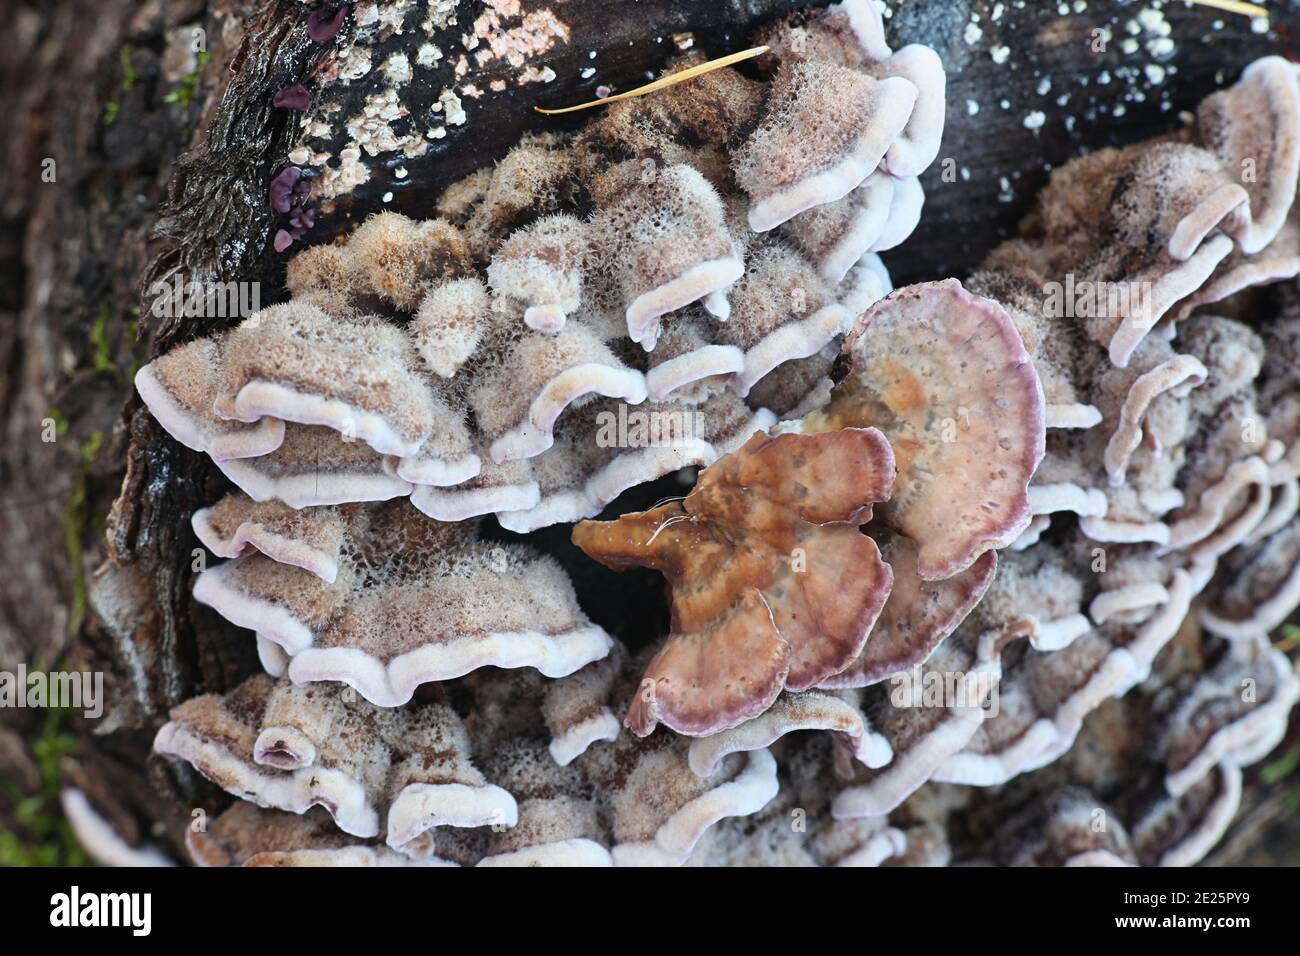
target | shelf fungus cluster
[
  {"x": 686, "y": 261},
  {"x": 1006, "y": 551}
]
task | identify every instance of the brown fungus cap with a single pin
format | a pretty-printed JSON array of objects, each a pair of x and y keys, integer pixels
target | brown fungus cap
[
  {"x": 772, "y": 583},
  {"x": 918, "y": 615},
  {"x": 944, "y": 374}
]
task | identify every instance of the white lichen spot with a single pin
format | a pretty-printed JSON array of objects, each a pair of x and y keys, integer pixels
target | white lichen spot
[
  {"x": 1155, "y": 73},
  {"x": 372, "y": 128},
  {"x": 1035, "y": 119},
  {"x": 529, "y": 33},
  {"x": 380, "y": 19},
  {"x": 398, "y": 69},
  {"x": 1000, "y": 53},
  {"x": 972, "y": 34},
  {"x": 972, "y": 107},
  {"x": 442, "y": 14},
  {"x": 350, "y": 173},
  {"x": 1259, "y": 25},
  {"x": 534, "y": 74},
  {"x": 1153, "y": 20},
  {"x": 428, "y": 55},
  {"x": 452, "y": 110},
  {"x": 588, "y": 72},
  {"x": 1162, "y": 47},
  {"x": 353, "y": 63}
]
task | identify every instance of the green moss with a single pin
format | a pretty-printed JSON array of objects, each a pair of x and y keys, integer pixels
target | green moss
[
  {"x": 60, "y": 421},
  {"x": 41, "y": 836},
  {"x": 99, "y": 338},
  {"x": 114, "y": 105},
  {"x": 1282, "y": 767},
  {"x": 128, "y": 68},
  {"x": 189, "y": 83}
]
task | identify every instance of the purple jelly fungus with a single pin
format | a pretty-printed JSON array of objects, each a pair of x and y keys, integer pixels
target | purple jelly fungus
[
  {"x": 323, "y": 26},
  {"x": 282, "y": 188},
  {"x": 282, "y": 241},
  {"x": 293, "y": 97}
]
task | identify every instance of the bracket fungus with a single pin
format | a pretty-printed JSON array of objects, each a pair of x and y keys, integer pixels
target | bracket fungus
[
  {"x": 886, "y": 607},
  {"x": 292, "y": 748},
  {"x": 410, "y": 601},
  {"x": 945, "y": 376},
  {"x": 455, "y": 345},
  {"x": 773, "y": 586}
]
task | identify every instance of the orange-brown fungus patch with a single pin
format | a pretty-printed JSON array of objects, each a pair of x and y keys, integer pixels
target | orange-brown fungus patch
[{"x": 773, "y": 585}]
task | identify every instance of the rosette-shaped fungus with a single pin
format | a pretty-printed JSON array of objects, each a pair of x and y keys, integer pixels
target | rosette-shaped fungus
[
  {"x": 887, "y": 111},
  {"x": 796, "y": 159},
  {"x": 882, "y": 206},
  {"x": 248, "y": 835},
  {"x": 945, "y": 376},
  {"x": 773, "y": 585},
  {"x": 757, "y": 553}
]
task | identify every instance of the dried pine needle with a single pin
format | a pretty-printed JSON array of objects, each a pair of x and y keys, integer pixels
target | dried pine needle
[
  {"x": 1234, "y": 6},
  {"x": 664, "y": 81}
]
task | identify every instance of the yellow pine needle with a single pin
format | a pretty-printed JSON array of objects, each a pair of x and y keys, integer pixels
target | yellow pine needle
[
  {"x": 1234, "y": 6},
  {"x": 1289, "y": 642},
  {"x": 664, "y": 81}
]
